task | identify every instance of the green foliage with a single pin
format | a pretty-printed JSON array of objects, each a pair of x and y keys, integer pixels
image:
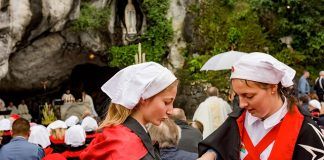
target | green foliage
[
  {"x": 155, "y": 39},
  {"x": 290, "y": 58},
  {"x": 233, "y": 35},
  {"x": 220, "y": 26},
  {"x": 192, "y": 73},
  {"x": 123, "y": 56},
  {"x": 91, "y": 18},
  {"x": 300, "y": 19},
  {"x": 48, "y": 115}
]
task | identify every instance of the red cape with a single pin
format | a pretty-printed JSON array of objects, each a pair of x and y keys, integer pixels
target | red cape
[
  {"x": 56, "y": 141},
  {"x": 72, "y": 154},
  {"x": 54, "y": 156},
  {"x": 48, "y": 150},
  {"x": 117, "y": 142}
]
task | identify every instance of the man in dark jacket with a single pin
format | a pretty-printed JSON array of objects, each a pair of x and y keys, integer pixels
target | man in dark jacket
[
  {"x": 190, "y": 137},
  {"x": 319, "y": 86}
]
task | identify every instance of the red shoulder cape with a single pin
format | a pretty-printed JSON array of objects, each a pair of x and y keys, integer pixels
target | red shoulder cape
[{"x": 117, "y": 142}]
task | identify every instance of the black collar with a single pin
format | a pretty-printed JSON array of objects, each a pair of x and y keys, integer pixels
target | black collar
[{"x": 138, "y": 129}]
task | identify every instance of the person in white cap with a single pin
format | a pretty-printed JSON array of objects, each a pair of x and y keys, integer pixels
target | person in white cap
[
  {"x": 269, "y": 124},
  {"x": 5, "y": 131},
  {"x": 90, "y": 126},
  {"x": 140, "y": 94},
  {"x": 40, "y": 136},
  {"x": 314, "y": 107},
  {"x": 57, "y": 132},
  {"x": 75, "y": 138},
  {"x": 71, "y": 121}
]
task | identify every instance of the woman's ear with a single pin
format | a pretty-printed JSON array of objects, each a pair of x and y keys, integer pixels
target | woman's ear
[
  {"x": 142, "y": 101},
  {"x": 273, "y": 88}
]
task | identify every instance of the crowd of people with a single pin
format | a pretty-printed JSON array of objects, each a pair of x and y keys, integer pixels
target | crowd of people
[
  {"x": 11, "y": 109},
  {"x": 266, "y": 119}
]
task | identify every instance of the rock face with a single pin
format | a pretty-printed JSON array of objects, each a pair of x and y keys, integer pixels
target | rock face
[
  {"x": 31, "y": 62},
  {"x": 37, "y": 45}
]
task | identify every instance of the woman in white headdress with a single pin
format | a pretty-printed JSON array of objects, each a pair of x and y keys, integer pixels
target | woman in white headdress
[
  {"x": 5, "y": 131},
  {"x": 71, "y": 121},
  {"x": 75, "y": 139},
  {"x": 40, "y": 136},
  {"x": 269, "y": 124},
  {"x": 57, "y": 132},
  {"x": 140, "y": 94},
  {"x": 90, "y": 126}
]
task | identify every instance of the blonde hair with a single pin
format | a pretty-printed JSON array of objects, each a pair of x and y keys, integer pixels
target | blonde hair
[
  {"x": 58, "y": 133},
  {"x": 167, "y": 133},
  {"x": 117, "y": 114}
]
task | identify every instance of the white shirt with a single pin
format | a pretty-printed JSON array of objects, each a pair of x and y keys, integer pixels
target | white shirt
[
  {"x": 87, "y": 99},
  {"x": 257, "y": 129},
  {"x": 68, "y": 98}
]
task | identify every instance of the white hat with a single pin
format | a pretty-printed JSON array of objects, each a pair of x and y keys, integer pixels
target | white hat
[
  {"x": 261, "y": 67},
  {"x": 89, "y": 124},
  {"x": 72, "y": 120},
  {"x": 5, "y": 125},
  {"x": 75, "y": 136},
  {"x": 315, "y": 103},
  {"x": 137, "y": 81},
  {"x": 39, "y": 135},
  {"x": 56, "y": 124}
]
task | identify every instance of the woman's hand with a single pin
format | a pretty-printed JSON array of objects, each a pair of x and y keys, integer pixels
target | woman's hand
[{"x": 209, "y": 155}]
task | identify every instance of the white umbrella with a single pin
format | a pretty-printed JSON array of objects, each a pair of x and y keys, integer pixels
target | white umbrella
[{"x": 222, "y": 61}]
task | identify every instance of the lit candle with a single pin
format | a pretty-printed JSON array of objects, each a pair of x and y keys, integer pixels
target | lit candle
[
  {"x": 143, "y": 57},
  {"x": 139, "y": 48},
  {"x": 136, "y": 59}
]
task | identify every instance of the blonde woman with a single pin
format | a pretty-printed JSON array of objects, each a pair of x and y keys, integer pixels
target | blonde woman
[
  {"x": 140, "y": 94},
  {"x": 57, "y": 132}
]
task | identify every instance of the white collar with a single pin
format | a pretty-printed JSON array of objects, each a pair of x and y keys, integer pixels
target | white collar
[{"x": 271, "y": 121}]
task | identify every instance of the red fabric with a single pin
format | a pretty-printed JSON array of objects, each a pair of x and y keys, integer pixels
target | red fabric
[
  {"x": 56, "y": 141},
  {"x": 285, "y": 138},
  {"x": 117, "y": 142},
  {"x": 72, "y": 154},
  {"x": 315, "y": 114},
  {"x": 15, "y": 116},
  {"x": 7, "y": 133},
  {"x": 90, "y": 136},
  {"x": 48, "y": 150},
  {"x": 55, "y": 156}
]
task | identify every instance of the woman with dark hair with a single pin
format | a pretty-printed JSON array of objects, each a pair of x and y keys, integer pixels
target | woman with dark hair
[{"x": 269, "y": 124}]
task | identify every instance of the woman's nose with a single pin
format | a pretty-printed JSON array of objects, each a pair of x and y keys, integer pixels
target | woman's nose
[
  {"x": 243, "y": 103},
  {"x": 169, "y": 110}
]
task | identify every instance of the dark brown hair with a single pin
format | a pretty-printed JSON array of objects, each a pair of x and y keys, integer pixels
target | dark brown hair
[{"x": 20, "y": 127}]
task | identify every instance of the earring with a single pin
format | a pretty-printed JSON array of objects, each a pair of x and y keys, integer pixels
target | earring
[{"x": 272, "y": 92}]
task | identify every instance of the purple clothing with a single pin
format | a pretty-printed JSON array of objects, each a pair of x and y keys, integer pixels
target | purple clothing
[{"x": 176, "y": 154}]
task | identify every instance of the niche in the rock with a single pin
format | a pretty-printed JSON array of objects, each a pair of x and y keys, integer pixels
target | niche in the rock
[
  {"x": 129, "y": 21},
  {"x": 90, "y": 78}
]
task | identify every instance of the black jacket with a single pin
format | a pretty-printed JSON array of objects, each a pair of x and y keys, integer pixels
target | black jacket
[{"x": 190, "y": 137}]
